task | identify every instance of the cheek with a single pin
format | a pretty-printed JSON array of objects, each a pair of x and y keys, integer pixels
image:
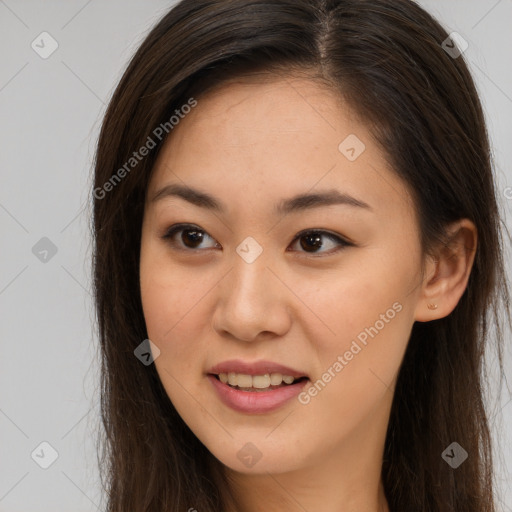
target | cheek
[
  {"x": 345, "y": 303},
  {"x": 172, "y": 310},
  {"x": 167, "y": 292},
  {"x": 174, "y": 302},
  {"x": 366, "y": 317}
]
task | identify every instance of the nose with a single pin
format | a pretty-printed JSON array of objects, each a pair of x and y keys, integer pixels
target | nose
[{"x": 251, "y": 302}]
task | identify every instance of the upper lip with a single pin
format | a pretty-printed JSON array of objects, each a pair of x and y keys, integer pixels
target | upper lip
[{"x": 254, "y": 368}]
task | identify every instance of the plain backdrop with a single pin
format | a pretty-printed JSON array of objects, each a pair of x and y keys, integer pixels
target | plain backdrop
[{"x": 51, "y": 109}]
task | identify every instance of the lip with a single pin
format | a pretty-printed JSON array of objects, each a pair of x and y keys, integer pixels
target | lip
[
  {"x": 255, "y": 402},
  {"x": 255, "y": 368}
]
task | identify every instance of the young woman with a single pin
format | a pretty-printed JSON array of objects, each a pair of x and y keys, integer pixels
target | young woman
[{"x": 297, "y": 262}]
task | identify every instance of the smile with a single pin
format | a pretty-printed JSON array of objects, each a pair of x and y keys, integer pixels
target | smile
[
  {"x": 256, "y": 382},
  {"x": 255, "y": 394}
]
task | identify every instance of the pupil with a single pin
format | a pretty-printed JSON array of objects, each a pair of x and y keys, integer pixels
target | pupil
[
  {"x": 314, "y": 239},
  {"x": 196, "y": 237}
]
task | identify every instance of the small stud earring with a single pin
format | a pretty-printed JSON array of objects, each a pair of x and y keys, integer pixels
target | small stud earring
[{"x": 432, "y": 306}]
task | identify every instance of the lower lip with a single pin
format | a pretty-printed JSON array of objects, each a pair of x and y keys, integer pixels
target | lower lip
[{"x": 255, "y": 402}]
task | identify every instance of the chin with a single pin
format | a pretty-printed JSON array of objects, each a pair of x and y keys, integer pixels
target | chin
[{"x": 256, "y": 458}]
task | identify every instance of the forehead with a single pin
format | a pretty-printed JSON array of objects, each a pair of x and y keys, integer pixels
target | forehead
[
  {"x": 248, "y": 108},
  {"x": 275, "y": 137}
]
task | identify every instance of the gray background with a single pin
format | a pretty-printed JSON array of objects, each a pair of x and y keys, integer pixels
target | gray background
[{"x": 51, "y": 111}]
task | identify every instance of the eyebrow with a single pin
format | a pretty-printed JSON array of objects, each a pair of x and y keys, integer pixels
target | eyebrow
[{"x": 296, "y": 203}]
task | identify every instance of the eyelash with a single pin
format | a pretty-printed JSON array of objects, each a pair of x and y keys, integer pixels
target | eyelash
[{"x": 169, "y": 234}]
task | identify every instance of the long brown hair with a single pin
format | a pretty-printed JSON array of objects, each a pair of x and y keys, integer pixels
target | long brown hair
[{"x": 387, "y": 60}]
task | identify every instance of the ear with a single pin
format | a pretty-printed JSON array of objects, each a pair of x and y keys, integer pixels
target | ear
[{"x": 447, "y": 273}]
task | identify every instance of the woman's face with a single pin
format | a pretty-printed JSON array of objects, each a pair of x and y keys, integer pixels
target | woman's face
[{"x": 240, "y": 290}]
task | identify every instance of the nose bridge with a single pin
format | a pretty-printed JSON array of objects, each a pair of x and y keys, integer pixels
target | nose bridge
[
  {"x": 249, "y": 268},
  {"x": 251, "y": 299},
  {"x": 249, "y": 288}
]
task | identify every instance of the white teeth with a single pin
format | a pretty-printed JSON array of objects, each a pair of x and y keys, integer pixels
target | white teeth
[
  {"x": 243, "y": 381},
  {"x": 276, "y": 379},
  {"x": 260, "y": 381},
  {"x": 255, "y": 381}
]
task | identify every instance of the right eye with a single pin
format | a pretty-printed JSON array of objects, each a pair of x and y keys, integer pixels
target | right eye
[{"x": 190, "y": 239}]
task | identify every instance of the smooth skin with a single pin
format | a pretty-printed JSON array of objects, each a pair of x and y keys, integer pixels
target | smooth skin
[{"x": 251, "y": 144}]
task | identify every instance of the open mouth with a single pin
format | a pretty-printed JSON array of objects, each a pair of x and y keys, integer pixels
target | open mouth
[{"x": 257, "y": 383}]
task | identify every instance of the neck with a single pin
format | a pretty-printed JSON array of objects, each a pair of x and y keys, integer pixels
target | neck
[
  {"x": 287, "y": 492},
  {"x": 346, "y": 479}
]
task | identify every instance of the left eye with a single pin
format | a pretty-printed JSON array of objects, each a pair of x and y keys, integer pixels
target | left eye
[
  {"x": 313, "y": 239},
  {"x": 192, "y": 237}
]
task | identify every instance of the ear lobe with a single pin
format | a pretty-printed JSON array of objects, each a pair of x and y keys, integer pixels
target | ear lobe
[{"x": 448, "y": 273}]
